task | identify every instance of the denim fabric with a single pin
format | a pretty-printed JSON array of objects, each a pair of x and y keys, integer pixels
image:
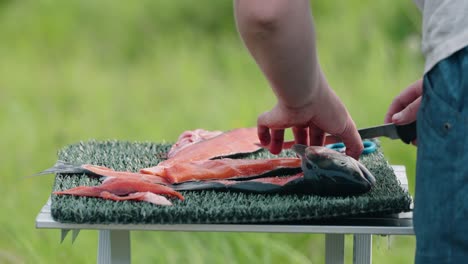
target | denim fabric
[{"x": 441, "y": 198}]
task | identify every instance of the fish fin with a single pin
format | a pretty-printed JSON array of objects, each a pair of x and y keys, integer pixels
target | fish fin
[
  {"x": 62, "y": 167},
  {"x": 138, "y": 196},
  {"x": 155, "y": 199}
]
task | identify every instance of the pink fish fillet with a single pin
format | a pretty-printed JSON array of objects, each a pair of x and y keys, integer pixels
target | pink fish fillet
[
  {"x": 220, "y": 169},
  {"x": 191, "y": 137},
  {"x": 237, "y": 141},
  {"x": 120, "y": 187},
  {"x": 104, "y": 171}
]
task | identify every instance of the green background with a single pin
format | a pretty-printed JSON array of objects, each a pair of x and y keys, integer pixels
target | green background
[{"x": 148, "y": 70}]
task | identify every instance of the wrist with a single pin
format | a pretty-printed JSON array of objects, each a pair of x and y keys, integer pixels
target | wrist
[{"x": 306, "y": 97}]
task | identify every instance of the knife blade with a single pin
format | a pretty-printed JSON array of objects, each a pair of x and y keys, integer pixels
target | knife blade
[{"x": 406, "y": 133}]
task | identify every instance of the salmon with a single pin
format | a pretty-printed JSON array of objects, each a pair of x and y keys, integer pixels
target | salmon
[
  {"x": 120, "y": 187},
  {"x": 234, "y": 142},
  {"x": 229, "y": 169}
]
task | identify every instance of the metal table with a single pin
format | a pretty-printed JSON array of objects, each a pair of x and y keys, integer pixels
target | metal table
[{"x": 114, "y": 239}]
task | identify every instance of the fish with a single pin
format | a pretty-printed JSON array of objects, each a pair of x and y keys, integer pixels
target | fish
[
  {"x": 121, "y": 187},
  {"x": 230, "y": 169},
  {"x": 232, "y": 143},
  {"x": 329, "y": 172},
  {"x": 203, "y": 160}
]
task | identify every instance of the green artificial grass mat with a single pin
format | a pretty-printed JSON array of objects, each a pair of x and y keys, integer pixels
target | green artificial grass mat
[{"x": 211, "y": 207}]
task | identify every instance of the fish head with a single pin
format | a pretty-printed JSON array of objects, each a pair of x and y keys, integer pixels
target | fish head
[{"x": 334, "y": 173}]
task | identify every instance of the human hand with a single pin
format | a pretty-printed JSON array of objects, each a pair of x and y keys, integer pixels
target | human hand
[
  {"x": 404, "y": 108},
  {"x": 325, "y": 113}
]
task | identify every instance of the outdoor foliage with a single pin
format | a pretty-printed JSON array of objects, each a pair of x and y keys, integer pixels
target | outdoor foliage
[{"x": 148, "y": 70}]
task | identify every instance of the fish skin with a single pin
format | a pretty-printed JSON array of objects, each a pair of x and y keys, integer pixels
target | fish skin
[
  {"x": 120, "y": 186},
  {"x": 228, "y": 169}
]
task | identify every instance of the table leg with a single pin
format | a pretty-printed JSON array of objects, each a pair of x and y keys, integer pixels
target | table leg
[
  {"x": 114, "y": 247},
  {"x": 334, "y": 248},
  {"x": 362, "y": 249}
]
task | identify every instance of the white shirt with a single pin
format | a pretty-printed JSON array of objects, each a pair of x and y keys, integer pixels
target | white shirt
[{"x": 445, "y": 28}]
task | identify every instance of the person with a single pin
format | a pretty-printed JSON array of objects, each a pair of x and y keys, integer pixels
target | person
[{"x": 280, "y": 36}]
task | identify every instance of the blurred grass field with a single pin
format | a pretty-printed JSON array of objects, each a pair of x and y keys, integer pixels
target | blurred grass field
[{"x": 148, "y": 70}]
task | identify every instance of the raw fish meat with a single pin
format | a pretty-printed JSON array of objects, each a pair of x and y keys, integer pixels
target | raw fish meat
[
  {"x": 234, "y": 142},
  {"x": 104, "y": 171},
  {"x": 229, "y": 169},
  {"x": 191, "y": 137},
  {"x": 120, "y": 187}
]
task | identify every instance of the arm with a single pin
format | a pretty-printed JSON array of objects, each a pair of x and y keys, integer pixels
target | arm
[{"x": 280, "y": 36}]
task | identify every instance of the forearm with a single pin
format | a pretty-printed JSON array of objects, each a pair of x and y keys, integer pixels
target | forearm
[{"x": 280, "y": 36}]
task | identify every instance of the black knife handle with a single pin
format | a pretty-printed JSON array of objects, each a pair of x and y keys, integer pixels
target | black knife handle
[{"x": 407, "y": 133}]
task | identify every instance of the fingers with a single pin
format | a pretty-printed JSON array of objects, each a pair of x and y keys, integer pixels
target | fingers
[
  {"x": 405, "y": 98},
  {"x": 316, "y": 136},
  {"x": 408, "y": 114},
  {"x": 300, "y": 135},
  {"x": 263, "y": 133},
  {"x": 352, "y": 140},
  {"x": 276, "y": 143},
  {"x": 271, "y": 138}
]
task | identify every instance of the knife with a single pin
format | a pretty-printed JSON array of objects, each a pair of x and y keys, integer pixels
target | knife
[{"x": 406, "y": 133}]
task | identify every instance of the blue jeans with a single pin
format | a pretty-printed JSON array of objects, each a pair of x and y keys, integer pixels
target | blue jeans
[{"x": 441, "y": 198}]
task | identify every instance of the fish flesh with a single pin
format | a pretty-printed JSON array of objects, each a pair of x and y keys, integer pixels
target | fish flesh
[
  {"x": 121, "y": 187},
  {"x": 107, "y": 172},
  {"x": 191, "y": 137},
  {"x": 230, "y": 169},
  {"x": 231, "y": 143},
  {"x": 329, "y": 172}
]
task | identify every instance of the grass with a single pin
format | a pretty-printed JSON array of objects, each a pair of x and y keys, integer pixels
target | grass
[{"x": 148, "y": 70}]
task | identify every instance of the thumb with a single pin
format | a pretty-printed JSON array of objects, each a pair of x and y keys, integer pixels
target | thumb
[
  {"x": 352, "y": 140},
  {"x": 408, "y": 114}
]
